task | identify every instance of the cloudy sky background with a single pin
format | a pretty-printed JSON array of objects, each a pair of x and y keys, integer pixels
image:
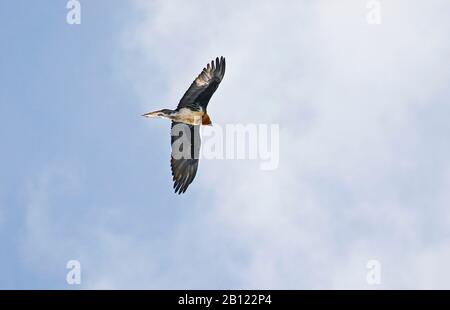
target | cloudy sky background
[{"x": 363, "y": 170}]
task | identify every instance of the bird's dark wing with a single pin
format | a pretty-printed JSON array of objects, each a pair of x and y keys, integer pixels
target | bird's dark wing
[
  {"x": 204, "y": 86},
  {"x": 185, "y": 142}
]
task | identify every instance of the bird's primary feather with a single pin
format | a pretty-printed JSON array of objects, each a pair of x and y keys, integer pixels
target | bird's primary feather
[{"x": 201, "y": 90}]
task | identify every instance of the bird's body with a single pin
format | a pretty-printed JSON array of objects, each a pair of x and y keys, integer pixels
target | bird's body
[{"x": 186, "y": 120}]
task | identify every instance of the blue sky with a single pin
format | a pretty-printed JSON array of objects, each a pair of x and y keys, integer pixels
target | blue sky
[
  {"x": 65, "y": 104},
  {"x": 363, "y": 172}
]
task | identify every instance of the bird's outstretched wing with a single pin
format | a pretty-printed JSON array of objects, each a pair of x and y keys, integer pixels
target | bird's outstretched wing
[
  {"x": 185, "y": 142},
  {"x": 204, "y": 86}
]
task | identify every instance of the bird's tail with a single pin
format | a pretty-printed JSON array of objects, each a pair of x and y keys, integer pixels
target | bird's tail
[
  {"x": 152, "y": 114},
  {"x": 165, "y": 113}
]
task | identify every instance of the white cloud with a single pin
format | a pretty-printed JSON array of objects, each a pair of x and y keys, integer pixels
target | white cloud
[
  {"x": 348, "y": 97},
  {"x": 356, "y": 179}
]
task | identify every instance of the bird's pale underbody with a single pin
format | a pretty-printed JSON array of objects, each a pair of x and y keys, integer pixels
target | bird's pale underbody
[{"x": 186, "y": 119}]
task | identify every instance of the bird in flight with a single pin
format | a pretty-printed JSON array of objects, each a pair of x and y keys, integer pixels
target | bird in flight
[{"x": 186, "y": 120}]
